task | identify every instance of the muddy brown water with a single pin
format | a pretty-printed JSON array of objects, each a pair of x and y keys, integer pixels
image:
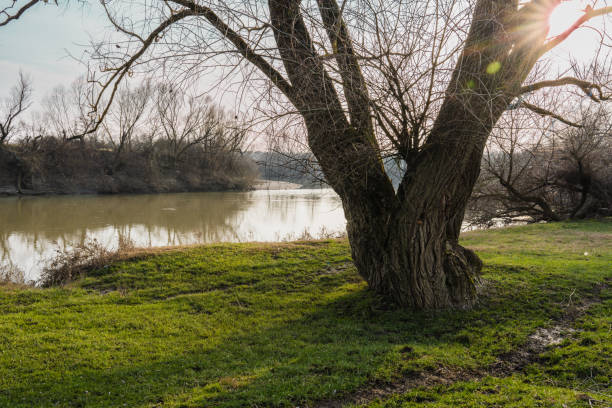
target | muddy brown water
[{"x": 33, "y": 228}]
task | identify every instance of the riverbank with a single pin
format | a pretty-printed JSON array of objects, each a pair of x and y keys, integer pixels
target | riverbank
[
  {"x": 261, "y": 184},
  {"x": 233, "y": 325},
  {"x": 51, "y": 166},
  {"x": 112, "y": 186},
  {"x": 172, "y": 186},
  {"x": 216, "y": 186}
]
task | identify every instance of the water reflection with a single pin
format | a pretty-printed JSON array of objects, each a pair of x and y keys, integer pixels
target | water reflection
[{"x": 31, "y": 228}]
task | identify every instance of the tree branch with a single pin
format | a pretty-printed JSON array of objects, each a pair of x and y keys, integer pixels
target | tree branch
[
  {"x": 122, "y": 70},
  {"x": 192, "y": 9},
  {"x": 545, "y": 112},
  {"x": 353, "y": 82},
  {"x": 19, "y": 12},
  {"x": 243, "y": 48},
  {"x": 584, "y": 85}
]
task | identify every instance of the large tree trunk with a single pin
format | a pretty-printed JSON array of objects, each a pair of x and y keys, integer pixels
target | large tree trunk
[
  {"x": 411, "y": 252},
  {"x": 412, "y": 260}
]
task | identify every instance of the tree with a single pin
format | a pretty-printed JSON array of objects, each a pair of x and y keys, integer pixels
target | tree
[
  {"x": 124, "y": 118},
  {"x": 185, "y": 122},
  {"x": 12, "y": 107},
  {"x": 66, "y": 111},
  {"x": 19, "y": 100},
  {"x": 448, "y": 70},
  {"x": 552, "y": 175}
]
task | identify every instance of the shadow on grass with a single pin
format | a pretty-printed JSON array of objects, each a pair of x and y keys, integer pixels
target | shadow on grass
[{"x": 332, "y": 348}]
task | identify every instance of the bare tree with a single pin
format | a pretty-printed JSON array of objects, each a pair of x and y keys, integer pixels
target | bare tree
[
  {"x": 19, "y": 100},
  {"x": 425, "y": 80},
  {"x": 550, "y": 175},
  {"x": 184, "y": 121},
  {"x": 584, "y": 168},
  {"x": 12, "y": 107},
  {"x": 66, "y": 110},
  {"x": 123, "y": 120}
]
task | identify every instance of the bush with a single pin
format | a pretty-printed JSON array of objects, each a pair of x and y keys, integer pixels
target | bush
[{"x": 69, "y": 264}]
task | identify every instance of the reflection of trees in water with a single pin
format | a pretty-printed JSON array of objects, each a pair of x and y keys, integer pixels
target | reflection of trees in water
[
  {"x": 5, "y": 255},
  {"x": 175, "y": 219},
  {"x": 283, "y": 206},
  {"x": 72, "y": 218},
  {"x": 32, "y": 228}
]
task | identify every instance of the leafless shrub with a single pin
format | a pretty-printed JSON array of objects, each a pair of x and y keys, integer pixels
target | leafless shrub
[
  {"x": 125, "y": 244},
  {"x": 324, "y": 233},
  {"x": 304, "y": 236},
  {"x": 73, "y": 262}
]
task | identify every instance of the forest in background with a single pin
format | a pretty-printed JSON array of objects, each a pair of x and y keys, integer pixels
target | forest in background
[{"x": 155, "y": 138}]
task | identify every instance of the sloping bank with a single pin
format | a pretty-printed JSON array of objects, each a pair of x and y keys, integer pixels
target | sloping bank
[
  {"x": 56, "y": 167},
  {"x": 293, "y": 325}
]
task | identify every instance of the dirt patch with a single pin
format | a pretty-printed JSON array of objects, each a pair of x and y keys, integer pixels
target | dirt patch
[
  {"x": 441, "y": 376},
  {"x": 550, "y": 336},
  {"x": 536, "y": 344},
  {"x": 337, "y": 269}
]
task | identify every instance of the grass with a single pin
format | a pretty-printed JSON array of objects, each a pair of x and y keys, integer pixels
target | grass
[
  {"x": 285, "y": 325},
  {"x": 489, "y": 392}
]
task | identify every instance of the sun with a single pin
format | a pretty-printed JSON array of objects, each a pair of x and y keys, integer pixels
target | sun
[{"x": 564, "y": 15}]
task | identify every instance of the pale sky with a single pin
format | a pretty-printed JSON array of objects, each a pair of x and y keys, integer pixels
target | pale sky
[{"x": 39, "y": 43}]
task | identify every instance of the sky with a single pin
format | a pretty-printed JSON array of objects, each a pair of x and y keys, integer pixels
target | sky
[
  {"x": 41, "y": 41},
  {"x": 40, "y": 44}
]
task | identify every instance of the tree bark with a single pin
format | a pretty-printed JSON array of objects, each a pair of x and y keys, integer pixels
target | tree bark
[
  {"x": 409, "y": 249},
  {"x": 411, "y": 259}
]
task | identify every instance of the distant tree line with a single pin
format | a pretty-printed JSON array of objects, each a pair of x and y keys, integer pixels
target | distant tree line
[{"x": 154, "y": 138}]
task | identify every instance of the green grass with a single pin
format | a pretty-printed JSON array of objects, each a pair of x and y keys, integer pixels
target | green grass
[
  {"x": 257, "y": 325},
  {"x": 489, "y": 392}
]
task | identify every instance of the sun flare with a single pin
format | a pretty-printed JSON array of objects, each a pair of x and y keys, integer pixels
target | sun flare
[{"x": 564, "y": 15}]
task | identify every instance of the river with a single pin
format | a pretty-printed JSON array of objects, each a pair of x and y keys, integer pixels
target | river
[{"x": 33, "y": 228}]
